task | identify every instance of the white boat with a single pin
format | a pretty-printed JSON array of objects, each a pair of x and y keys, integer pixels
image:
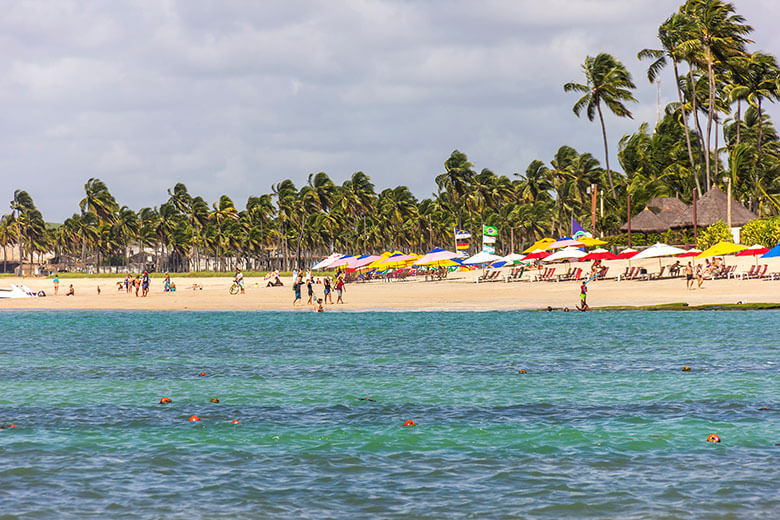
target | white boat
[{"x": 19, "y": 291}]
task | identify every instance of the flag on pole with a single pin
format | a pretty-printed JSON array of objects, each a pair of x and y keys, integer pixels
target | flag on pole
[
  {"x": 488, "y": 240},
  {"x": 462, "y": 233},
  {"x": 461, "y": 245},
  {"x": 489, "y": 231},
  {"x": 489, "y": 249}
]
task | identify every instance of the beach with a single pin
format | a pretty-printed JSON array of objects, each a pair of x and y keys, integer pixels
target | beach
[{"x": 458, "y": 292}]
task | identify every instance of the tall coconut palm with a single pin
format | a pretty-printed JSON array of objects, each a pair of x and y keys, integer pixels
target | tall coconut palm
[
  {"x": 608, "y": 81},
  {"x": 715, "y": 34},
  {"x": 455, "y": 180},
  {"x": 8, "y": 236},
  {"x": 671, "y": 34},
  {"x": 224, "y": 210}
]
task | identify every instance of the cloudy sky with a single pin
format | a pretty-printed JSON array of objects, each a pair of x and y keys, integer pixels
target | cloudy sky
[{"x": 233, "y": 96}]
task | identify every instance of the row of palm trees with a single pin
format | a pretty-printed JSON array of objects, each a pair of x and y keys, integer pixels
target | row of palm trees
[{"x": 292, "y": 225}]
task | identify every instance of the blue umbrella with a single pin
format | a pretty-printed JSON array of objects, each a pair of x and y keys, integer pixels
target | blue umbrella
[{"x": 775, "y": 251}]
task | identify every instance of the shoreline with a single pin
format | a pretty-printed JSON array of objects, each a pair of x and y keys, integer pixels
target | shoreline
[{"x": 456, "y": 294}]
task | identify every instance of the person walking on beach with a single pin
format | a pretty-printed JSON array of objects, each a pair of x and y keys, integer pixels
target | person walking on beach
[
  {"x": 297, "y": 290},
  {"x": 239, "y": 279},
  {"x": 699, "y": 276},
  {"x": 56, "y": 284},
  {"x": 145, "y": 284},
  {"x": 326, "y": 290},
  {"x": 310, "y": 291},
  {"x": 340, "y": 289},
  {"x": 689, "y": 276},
  {"x": 583, "y": 306}
]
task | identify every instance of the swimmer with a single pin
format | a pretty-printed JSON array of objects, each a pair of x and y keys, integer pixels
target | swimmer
[{"x": 367, "y": 399}]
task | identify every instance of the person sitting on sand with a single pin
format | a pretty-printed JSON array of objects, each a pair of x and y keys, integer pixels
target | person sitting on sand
[
  {"x": 674, "y": 269},
  {"x": 319, "y": 307},
  {"x": 71, "y": 291}
]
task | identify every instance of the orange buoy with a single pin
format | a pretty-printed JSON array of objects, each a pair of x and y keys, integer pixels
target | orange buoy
[
  {"x": 194, "y": 418},
  {"x": 410, "y": 423},
  {"x": 235, "y": 421},
  {"x": 165, "y": 400},
  {"x": 522, "y": 371},
  {"x": 214, "y": 400},
  {"x": 713, "y": 438},
  {"x": 202, "y": 374},
  {"x": 765, "y": 408},
  {"x": 4, "y": 426},
  {"x": 686, "y": 368}
]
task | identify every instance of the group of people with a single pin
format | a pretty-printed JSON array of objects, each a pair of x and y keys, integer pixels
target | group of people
[
  {"x": 327, "y": 290},
  {"x": 141, "y": 284}
]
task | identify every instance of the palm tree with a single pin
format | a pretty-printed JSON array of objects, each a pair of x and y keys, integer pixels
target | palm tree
[
  {"x": 100, "y": 203},
  {"x": 8, "y": 236},
  {"x": 670, "y": 34},
  {"x": 224, "y": 211},
  {"x": 715, "y": 34},
  {"x": 456, "y": 179},
  {"x": 607, "y": 80}
]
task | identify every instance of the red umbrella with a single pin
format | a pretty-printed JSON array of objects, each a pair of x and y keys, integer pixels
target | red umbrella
[
  {"x": 691, "y": 252},
  {"x": 627, "y": 253},
  {"x": 536, "y": 254},
  {"x": 598, "y": 254},
  {"x": 755, "y": 250}
]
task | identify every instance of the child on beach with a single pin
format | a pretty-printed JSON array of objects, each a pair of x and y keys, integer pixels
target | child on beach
[
  {"x": 319, "y": 307},
  {"x": 71, "y": 291},
  {"x": 56, "y": 284},
  {"x": 339, "y": 288}
]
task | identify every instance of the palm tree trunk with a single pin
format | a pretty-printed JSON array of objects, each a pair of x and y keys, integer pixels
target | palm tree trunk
[
  {"x": 710, "y": 116},
  {"x": 739, "y": 118},
  {"x": 685, "y": 126},
  {"x": 756, "y": 188},
  {"x": 696, "y": 119},
  {"x": 606, "y": 150}
]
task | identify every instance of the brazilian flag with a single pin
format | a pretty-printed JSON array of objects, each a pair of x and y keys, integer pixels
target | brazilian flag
[{"x": 489, "y": 231}]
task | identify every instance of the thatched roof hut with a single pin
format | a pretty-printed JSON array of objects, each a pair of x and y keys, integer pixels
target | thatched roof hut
[
  {"x": 667, "y": 208},
  {"x": 646, "y": 222},
  {"x": 712, "y": 207}
]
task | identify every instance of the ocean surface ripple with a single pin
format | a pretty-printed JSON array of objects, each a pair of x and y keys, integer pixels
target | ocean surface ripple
[{"x": 604, "y": 423}]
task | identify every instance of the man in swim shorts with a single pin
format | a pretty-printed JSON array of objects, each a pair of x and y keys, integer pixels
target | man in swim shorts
[
  {"x": 689, "y": 276},
  {"x": 145, "y": 284},
  {"x": 239, "y": 279}
]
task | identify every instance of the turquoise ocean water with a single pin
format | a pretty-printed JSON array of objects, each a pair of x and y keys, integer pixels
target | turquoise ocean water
[{"x": 604, "y": 424}]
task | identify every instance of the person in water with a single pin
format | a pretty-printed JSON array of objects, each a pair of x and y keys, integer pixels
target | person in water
[
  {"x": 583, "y": 306},
  {"x": 319, "y": 307}
]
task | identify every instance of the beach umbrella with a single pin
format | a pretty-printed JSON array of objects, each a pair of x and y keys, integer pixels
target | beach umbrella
[
  {"x": 397, "y": 260},
  {"x": 536, "y": 255},
  {"x": 720, "y": 249},
  {"x": 598, "y": 254},
  {"x": 539, "y": 244},
  {"x": 658, "y": 250},
  {"x": 590, "y": 241},
  {"x": 362, "y": 261},
  {"x": 339, "y": 262},
  {"x": 435, "y": 256},
  {"x": 567, "y": 253},
  {"x": 513, "y": 258},
  {"x": 326, "y": 261},
  {"x": 754, "y": 250},
  {"x": 775, "y": 251},
  {"x": 384, "y": 256},
  {"x": 481, "y": 258},
  {"x": 565, "y": 242},
  {"x": 690, "y": 253},
  {"x": 627, "y": 254}
]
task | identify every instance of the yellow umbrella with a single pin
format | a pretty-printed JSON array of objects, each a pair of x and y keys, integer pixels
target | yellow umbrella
[
  {"x": 395, "y": 261},
  {"x": 384, "y": 256},
  {"x": 721, "y": 248},
  {"x": 540, "y": 244},
  {"x": 590, "y": 242},
  {"x": 441, "y": 263}
]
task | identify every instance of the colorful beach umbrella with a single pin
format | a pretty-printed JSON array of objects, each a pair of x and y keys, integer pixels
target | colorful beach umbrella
[
  {"x": 565, "y": 242},
  {"x": 627, "y": 253},
  {"x": 720, "y": 249},
  {"x": 362, "y": 261},
  {"x": 775, "y": 251},
  {"x": 690, "y": 253},
  {"x": 437, "y": 258},
  {"x": 339, "y": 262},
  {"x": 754, "y": 250},
  {"x": 536, "y": 255},
  {"x": 539, "y": 244},
  {"x": 590, "y": 241},
  {"x": 326, "y": 261},
  {"x": 598, "y": 254}
]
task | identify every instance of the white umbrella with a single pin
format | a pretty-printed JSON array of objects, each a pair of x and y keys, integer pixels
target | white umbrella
[
  {"x": 512, "y": 257},
  {"x": 658, "y": 250},
  {"x": 481, "y": 258},
  {"x": 331, "y": 258},
  {"x": 567, "y": 253}
]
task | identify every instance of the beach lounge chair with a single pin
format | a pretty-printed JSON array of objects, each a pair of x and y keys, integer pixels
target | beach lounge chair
[
  {"x": 549, "y": 275},
  {"x": 761, "y": 271},
  {"x": 603, "y": 274}
]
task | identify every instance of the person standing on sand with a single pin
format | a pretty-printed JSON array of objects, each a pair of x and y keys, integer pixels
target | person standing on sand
[
  {"x": 340, "y": 288},
  {"x": 145, "y": 285},
  {"x": 583, "y": 306},
  {"x": 297, "y": 290},
  {"x": 326, "y": 290},
  {"x": 689, "y": 276},
  {"x": 699, "y": 276},
  {"x": 310, "y": 291},
  {"x": 239, "y": 279},
  {"x": 56, "y": 284}
]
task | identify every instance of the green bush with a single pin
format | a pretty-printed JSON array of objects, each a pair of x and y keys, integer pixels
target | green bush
[
  {"x": 764, "y": 231},
  {"x": 718, "y": 232}
]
